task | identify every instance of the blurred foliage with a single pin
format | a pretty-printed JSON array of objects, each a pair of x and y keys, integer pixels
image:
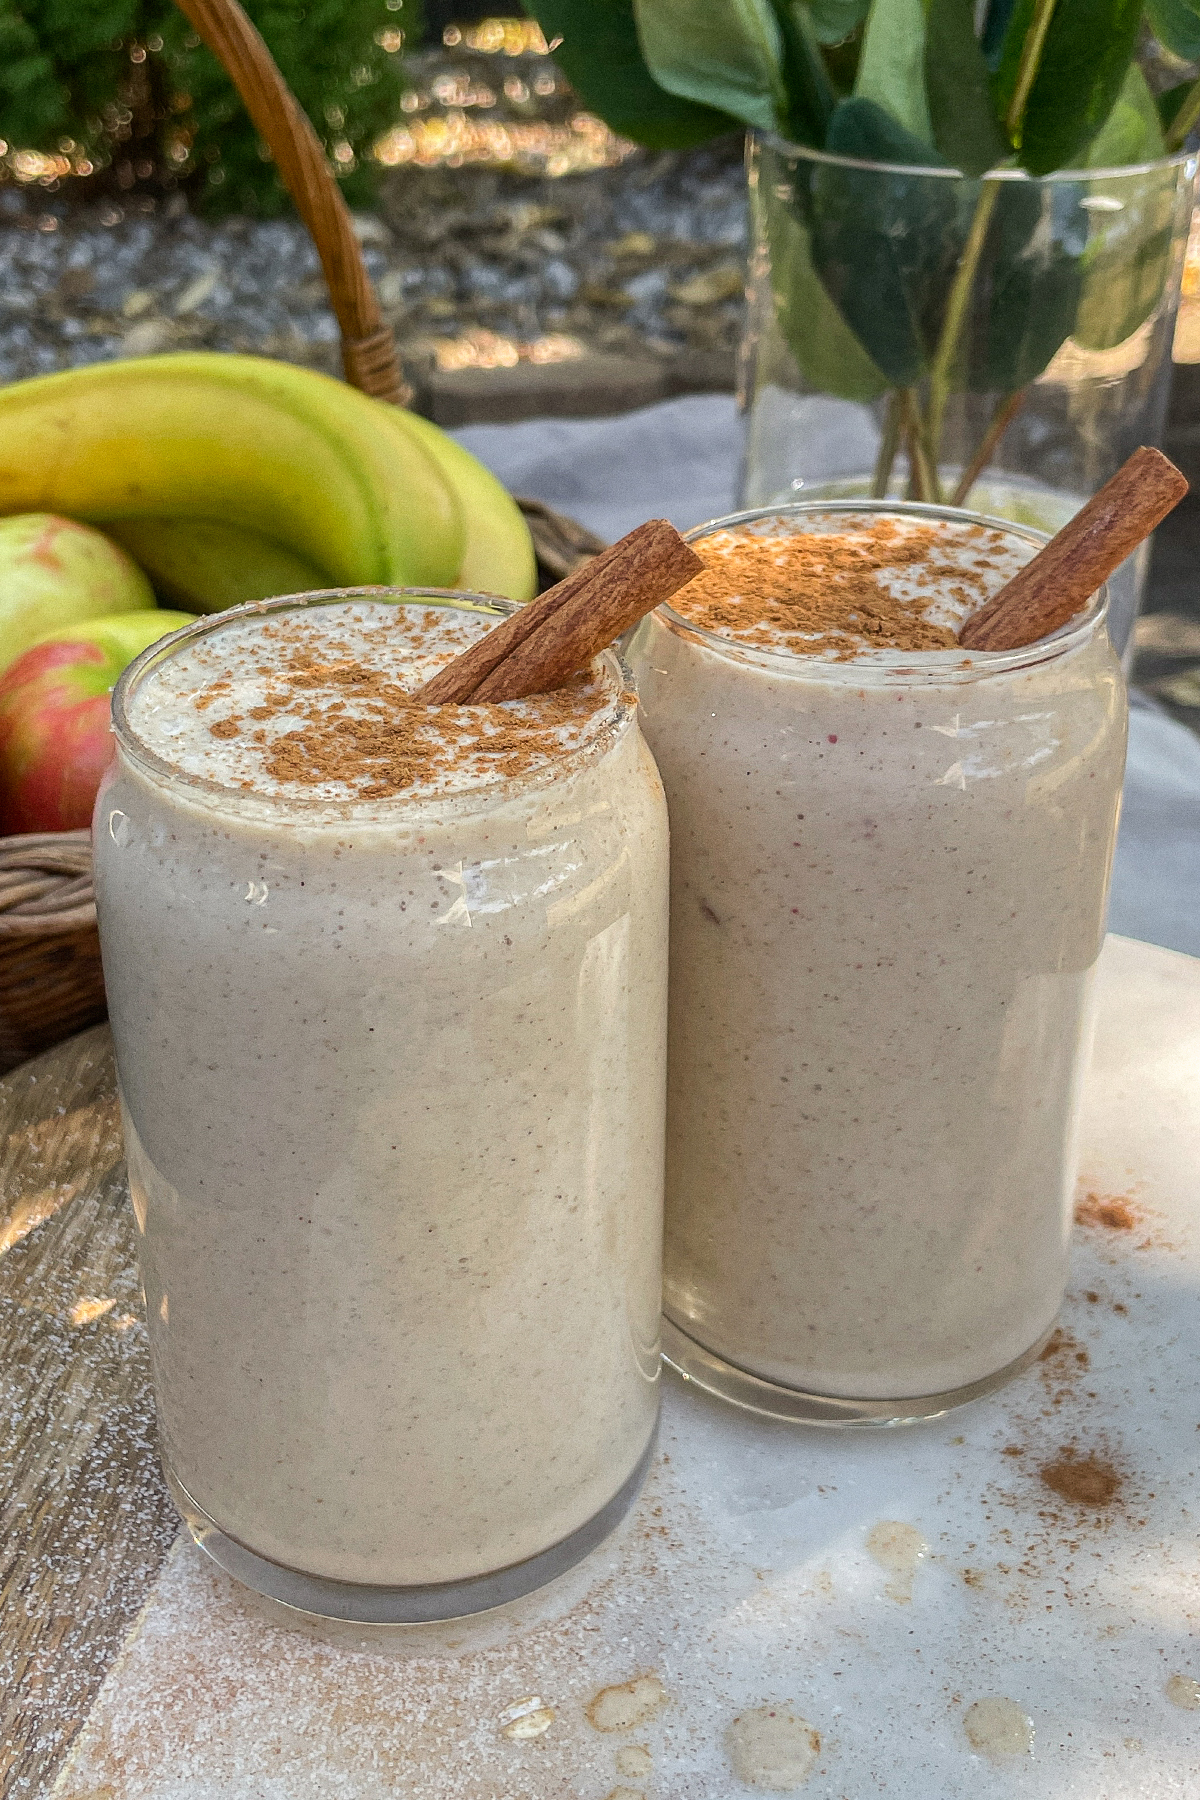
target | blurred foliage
[{"x": 126, "y": 86}]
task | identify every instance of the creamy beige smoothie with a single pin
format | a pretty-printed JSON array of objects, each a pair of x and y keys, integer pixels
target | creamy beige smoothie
[
  {"x": 388, "y": 991},
  {"x": 889, "y": 876}
]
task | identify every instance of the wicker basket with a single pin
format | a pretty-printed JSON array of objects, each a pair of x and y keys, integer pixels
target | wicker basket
[
  {"x": 51, "y": 982},
  {"x": 50, "y": 978}
]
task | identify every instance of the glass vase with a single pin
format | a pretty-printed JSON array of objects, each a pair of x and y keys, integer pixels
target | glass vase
[{"x": 1003, "y": 343}]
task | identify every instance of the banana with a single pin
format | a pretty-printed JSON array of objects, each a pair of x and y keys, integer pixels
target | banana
[
  {"x": 205, "y": 565},
  {"x": 498, "y": 555},
  {"x": 298, "y": 457}
]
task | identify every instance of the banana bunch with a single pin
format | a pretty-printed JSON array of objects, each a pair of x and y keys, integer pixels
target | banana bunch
[{"x": 232, "y": 478}]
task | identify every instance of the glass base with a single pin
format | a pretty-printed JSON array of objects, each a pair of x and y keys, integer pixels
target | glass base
[
  {"x": 362, "y": 1604},
  {"x": 704, "y": 1369}
]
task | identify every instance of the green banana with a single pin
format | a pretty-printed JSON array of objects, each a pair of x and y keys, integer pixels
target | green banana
[
  {"x": 300, "y": 458},
  {"x": 205, "y": 565},
  {"x": 498, "y": 555}
]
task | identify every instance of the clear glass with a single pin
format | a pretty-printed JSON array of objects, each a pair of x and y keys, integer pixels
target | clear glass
[
  {"x": 913, "y": 333},
  {"x": 392, "y": 1078},
  {"x": 888, "y": 889}
]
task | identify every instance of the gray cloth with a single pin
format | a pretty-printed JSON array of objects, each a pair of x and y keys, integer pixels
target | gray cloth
[
  {"x": 1156, "y": 880},
  {"x": 680, "y": 461},
  {"x": 676, "y": 461}
]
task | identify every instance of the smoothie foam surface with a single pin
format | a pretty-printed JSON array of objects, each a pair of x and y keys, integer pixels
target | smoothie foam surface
[
  {"x": 319, "y": 705},
  {"x": 842, "y": 589}
]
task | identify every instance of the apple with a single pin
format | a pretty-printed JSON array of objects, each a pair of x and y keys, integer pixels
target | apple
[
  {"x": 56, "y": 572},
  {"x": 55, "y": 713}
]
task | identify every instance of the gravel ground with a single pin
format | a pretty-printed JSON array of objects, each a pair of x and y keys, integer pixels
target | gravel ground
[{"x": 646, "y": 257}]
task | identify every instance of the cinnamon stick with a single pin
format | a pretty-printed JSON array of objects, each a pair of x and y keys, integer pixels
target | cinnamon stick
[
  {"x": 538, "y": 647},
  {"x": 459, "y": 679},
  {"x": 1065, "y": 573}
]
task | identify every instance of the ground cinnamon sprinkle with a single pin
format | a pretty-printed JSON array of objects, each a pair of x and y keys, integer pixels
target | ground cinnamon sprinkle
[
  {"x": 212, "y": 693},
  {"x": 356, "y": 726},
  {"x": 823, "y": 591},
  {"x": 1088, "y": 1480},
  {"x": 1114, "y": 1213}
]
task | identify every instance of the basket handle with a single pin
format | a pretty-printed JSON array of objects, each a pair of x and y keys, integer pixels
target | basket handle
[{"x": 368, "y": 346}]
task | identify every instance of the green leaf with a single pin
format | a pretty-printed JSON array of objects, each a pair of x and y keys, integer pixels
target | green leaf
[
  {"x": 841, "y": 60},
  {"x": 720, "y": 53},
  {"x": 602, "y": 59},
  {"x": 891, "y": 69},
  {"x": 1129, "y": 256},
  {"x": 1132, "y": 132},
  {"x": 1176, "y": 25},
  {"x": 885, "y": 243},
  {"x": 1170, "y": 104},
  {"x": 995, "y": 27},
  {"x": 864, "y": 130},
  {"x": 832, "y": 21},
  {"x": 827, "y": 353},
  {"x": 810, "y": 97},
  {"x": 956, "y": 80},
  {"x": 1088, "y": 48},
  {"x": 1027, "y": 287}
]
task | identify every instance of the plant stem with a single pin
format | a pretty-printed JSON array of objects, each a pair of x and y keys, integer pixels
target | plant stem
[
  {"x": 889, "y": 443},
  {"x": 956, "y": 313},
  {"x": 1031, "y": 56},
  {"x": 1002, "y": 418},
  {"x": 1185, "y": 119},
  {"x": 958, "y": 304},
  {"x": 922, "y": 477}
]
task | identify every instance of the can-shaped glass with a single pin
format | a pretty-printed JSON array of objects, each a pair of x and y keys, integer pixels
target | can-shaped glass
[
  {"x": 889, "y": 878},
  {"x": 392, "y": 1075}
]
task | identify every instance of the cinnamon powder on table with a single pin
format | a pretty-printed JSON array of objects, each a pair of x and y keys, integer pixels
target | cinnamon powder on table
[
  {"x": 827, "y": 591},
  {"x": 1086, "y": 1479},
  {"x": 1111, "y": 1211}
]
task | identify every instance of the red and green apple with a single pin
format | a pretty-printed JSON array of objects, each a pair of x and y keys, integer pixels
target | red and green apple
[
  {"x": 56, "y": 572},
  {"x": 55, "y": 708}
]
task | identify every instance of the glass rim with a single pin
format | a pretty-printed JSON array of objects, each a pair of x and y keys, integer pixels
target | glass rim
[
  {"x": 890, "y": 666},
  {"x": 621, "y": 709},
  {"x": 776, "y": 141}
]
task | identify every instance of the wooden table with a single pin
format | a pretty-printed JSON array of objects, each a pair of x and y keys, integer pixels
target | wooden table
[
  {"x": 919, "y": 1613},
  {"x": 85, "y": 1521}
]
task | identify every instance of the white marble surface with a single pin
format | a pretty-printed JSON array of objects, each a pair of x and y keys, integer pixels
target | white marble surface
[{"x": 770, "y": 1570}]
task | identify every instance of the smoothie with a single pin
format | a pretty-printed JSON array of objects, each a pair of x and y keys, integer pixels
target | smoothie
[
  {"x": 890, "y": 863},
  {"x": 387, "y": 986}
]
